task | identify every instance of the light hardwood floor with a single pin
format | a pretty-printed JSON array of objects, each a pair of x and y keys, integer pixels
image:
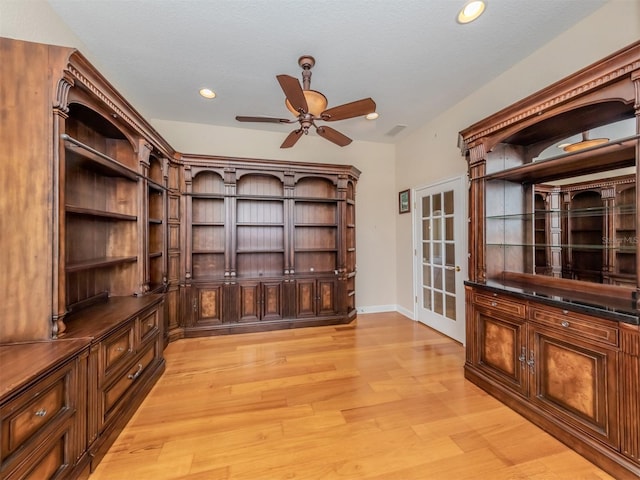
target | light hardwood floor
[{"x": 382, "y": 398}]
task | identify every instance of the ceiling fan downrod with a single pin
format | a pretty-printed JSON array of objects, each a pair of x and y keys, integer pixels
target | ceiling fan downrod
[{"x": 306, "y": 62}]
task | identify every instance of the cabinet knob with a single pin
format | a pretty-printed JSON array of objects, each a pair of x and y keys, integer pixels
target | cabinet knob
[
  {"x": 41, "y": 413},
  {"x": 494, "y": 304},
  {"x": 531, "y": 363},
  {"x": 523, "y": 356},
  {"x": 564, "y": 323}
]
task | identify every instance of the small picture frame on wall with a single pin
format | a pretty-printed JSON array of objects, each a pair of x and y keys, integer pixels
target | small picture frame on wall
[{"x": 404, "y": 201}]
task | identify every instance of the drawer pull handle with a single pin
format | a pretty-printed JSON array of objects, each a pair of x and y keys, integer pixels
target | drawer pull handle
[
  {"x": 564, "y": 323},
  {"x": 41, "y": 413},
  {"x": 120, "y": 349},
  {"x": 133, "y": 376},
  {"x": 150, "y": 324},
  {"x": 494, "y": 304}
]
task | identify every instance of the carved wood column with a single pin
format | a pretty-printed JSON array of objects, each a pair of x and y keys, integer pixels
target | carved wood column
[
  {"x": 567, "y": 262},
  {"x": 342, "y": 298},
  {"x": 58, "y": 166},
  {"x": 289, "y": 219},
  {"x": 477, "y": 169},
  {"x": 609, "y": 240},
  {"x": 630, "y": 386},
  {"x": 188, "y": 244},
  {"x": 635, "y": 77},
  {"x": 343, "y": 181},
  {"x": 230, "y": 243},
  {"x": 553, "y": 232},
  {"x": 144, "y": 150}
]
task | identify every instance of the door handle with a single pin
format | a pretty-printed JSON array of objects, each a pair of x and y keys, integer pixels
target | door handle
[{"x": 449, "y": 267}]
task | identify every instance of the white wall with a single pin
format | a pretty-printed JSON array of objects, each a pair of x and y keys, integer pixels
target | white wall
[
  {"x": 431, "y": 154},
  {"x": 35, "y": 21}
]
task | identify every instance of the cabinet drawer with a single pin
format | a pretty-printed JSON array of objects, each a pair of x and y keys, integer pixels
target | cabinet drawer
[
  {"x": 116, "y": 350},
  {"x": 584, "y": 326},
  {"x": 497, "y": 302},
  {"x": 50, "y": 460},
  {"x": 31, "y": 413},
  {"x": 148, "y": 325},
  {"x": 118, "y": 389}
]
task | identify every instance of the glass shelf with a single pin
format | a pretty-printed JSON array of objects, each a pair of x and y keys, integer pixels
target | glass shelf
[
  {"x": 574, "y": 213},
  {"x": 574, "y": 247}
]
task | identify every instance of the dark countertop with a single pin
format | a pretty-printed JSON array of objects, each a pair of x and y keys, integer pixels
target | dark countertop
[{"x": 611, "y": 308}]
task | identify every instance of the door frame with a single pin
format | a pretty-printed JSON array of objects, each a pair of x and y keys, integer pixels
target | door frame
[{"x": 461, "y": 210}]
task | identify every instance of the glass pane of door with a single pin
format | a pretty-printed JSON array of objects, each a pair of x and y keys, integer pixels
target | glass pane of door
[{"x": 438, "y": 254}]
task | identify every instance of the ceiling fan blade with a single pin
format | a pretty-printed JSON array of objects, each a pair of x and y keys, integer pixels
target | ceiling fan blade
[
  {"x": 291, "y": 139},
  {"x": 349, "y": 110},
  {"x": 333, "y": 136},
  {"x": 263, "y": 119},
  {"x": 293, "y": 91}
]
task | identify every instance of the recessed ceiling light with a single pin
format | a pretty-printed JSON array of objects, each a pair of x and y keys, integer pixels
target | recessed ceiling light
[
  {"x": 372, "y": 116},
  {"x": 471, "y": 11},
  {"x": 207, "y": 93}
]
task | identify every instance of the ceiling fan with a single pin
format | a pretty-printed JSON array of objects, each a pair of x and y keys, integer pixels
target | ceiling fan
[{"x": 310, "y": 106}]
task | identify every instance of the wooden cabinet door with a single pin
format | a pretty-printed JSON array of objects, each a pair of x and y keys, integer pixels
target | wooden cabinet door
[
  {"x": 250, "y": 302},
  {"x": 316, "y": 297},
  {"x": 306, "y": 298},
  {"x": 576, "y": 381},
  {"x": 272, "y": 300},
  {"x": 501, "y": 349},
  {"x": 208, "y": 305},
  {"x": 327, "y": 304}
]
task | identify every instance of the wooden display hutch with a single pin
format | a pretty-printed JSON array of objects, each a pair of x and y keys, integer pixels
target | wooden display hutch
[
  {"x": 268, "y": 245},
  {"x": 114, "y": 244},
  {"x": 87, "y": 213},
  {"x": 553, "y": 292}
]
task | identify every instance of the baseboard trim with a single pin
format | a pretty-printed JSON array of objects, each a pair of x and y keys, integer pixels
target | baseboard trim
[{"x": 385, "y": 308}]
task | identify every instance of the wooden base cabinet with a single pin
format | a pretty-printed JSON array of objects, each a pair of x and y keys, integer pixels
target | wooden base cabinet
[
  {"x": 267, "y": 304},
  {"x": 497, "y": 338},
  {"x": 43, "y": 409},
  {"x": 559, "y": 368},
  {"x": 125, "y": 361}
]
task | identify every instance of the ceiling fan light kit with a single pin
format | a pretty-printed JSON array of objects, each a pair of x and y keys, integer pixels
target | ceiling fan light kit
[
  {"x": 309, "y": 106},
  {"x": 316, "y": 103},
  {"x": 586, "y": 142}
]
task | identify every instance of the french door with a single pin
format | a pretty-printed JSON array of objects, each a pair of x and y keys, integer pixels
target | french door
[{"x": 440, "y": 257}]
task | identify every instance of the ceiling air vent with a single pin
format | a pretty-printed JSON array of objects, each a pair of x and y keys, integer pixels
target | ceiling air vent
[{"x": 395, "y": 130}]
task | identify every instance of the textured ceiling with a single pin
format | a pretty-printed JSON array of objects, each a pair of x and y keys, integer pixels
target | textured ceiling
[{"x": 410, "y": 56}]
